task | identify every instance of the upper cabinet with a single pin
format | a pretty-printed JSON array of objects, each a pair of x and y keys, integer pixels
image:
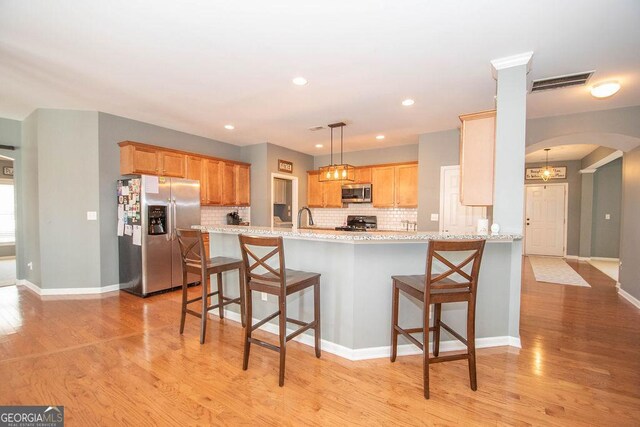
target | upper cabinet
[
  {"x": 362, "y": 175},
  {"x": 323, "y": 194},
  {"x": 222, "y": 182},
  {"x": 477, "y": 149},
  {"x": 395, "y": 186}
]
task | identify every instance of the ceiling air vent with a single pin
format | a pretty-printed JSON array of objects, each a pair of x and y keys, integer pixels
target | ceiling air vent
[
  {"x": 315, "y": 128},
  {"x": 558, "y": 82}
]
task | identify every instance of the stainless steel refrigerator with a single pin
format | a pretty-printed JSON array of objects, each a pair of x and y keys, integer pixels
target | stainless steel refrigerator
[{"x": 150, "y": 208}]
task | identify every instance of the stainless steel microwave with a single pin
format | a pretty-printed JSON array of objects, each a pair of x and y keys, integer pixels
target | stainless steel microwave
[{"x": 356, "y": 193}]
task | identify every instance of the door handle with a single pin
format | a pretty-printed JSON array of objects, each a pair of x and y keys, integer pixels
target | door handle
[
  {"x": 175, "y": 219},
  {"x": 169, "y": 235}
]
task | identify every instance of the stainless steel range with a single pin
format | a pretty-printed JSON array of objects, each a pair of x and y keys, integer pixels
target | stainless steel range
[{"x": 360, "y": 223}]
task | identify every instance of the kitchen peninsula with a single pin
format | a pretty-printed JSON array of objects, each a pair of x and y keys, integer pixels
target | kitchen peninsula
[{"x": 356, "y": 271}]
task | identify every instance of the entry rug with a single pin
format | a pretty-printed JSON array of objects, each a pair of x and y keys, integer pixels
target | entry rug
[{"x": 556, "y": 271}]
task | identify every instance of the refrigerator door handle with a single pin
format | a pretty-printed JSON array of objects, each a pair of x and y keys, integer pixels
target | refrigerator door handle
[
  {"x": 175, "y": 219},
  {"x": 169, "y": 235}
]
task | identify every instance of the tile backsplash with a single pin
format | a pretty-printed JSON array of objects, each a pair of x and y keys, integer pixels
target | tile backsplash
[
  {"x": 217, "y": 215},
  {"x": 388, "y": 218}
]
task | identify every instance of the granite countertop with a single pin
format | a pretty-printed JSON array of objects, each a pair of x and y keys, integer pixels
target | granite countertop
[{"x": 353, "y": 237}]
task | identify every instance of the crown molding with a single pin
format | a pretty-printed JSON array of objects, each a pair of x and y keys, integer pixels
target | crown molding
[{"x": 511, "y": 61}]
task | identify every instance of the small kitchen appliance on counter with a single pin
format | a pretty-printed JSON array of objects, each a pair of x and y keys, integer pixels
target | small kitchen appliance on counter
[{"x": 360, "y": 223}]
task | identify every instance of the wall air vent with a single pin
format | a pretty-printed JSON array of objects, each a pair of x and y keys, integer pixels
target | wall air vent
[
  {"x": 558, "y": 82},
  {"x": 316, "y": 128}
]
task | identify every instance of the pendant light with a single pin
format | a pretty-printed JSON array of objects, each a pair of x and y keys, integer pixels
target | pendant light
[
  {"x": 546, "y": 173},
  {"x": 337, "y": 172}
]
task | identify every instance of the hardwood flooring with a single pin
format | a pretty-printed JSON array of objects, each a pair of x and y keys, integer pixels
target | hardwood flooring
[{"x": 119, "y": 360}]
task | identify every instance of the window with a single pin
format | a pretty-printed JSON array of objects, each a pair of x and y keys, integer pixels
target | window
[{"x": 7, "y": 214}]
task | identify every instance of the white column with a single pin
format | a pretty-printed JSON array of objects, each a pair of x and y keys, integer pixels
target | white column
[{"x": 508, "y": 201}]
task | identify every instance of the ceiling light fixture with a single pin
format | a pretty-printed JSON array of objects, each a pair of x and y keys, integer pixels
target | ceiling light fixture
[
  {"x": 229, "y": 127},
  {"x": 546, "y": 173},
  {"x": 408, "y": 102},
  {"x": 299, "y": 81},
  {"x": 380, "y": 137},
  {"x": 605, "y": 90},
  {"x": 319, "y": 145},
  {"x": 337, "y": 172}
]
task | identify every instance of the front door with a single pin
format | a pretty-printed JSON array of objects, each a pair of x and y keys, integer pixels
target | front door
[
  {"x": 545, "y": 218},
  {"x": 456, "y": 218}
]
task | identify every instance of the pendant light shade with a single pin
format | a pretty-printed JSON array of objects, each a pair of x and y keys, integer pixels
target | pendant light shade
[
  {"x": 546, "y": 173},
  {"x": 337, "y": 172}
]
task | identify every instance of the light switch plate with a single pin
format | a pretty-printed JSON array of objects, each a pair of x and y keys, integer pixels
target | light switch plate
[
  {"x": 92, "y": 215},
  {"x": 435, "y": 217},
  {"x": 607, "y": 216}
]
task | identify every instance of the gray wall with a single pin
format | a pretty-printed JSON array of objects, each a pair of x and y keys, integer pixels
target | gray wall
[
  {"x": 113, "y": 129},
  {"x": 67, "y": 189},
  {"x": 574, "y": 179},
  {"x": 586, "y": 215},
  {"x": 435, "y": 150},
  {"x": 619, "y": 121},
  {"x": 265, "y": 158},
  {"x": 398, "y": 154},
  {"x": 630, "y": 227},
  {"x": 607, "y": 199},
  {"x": 595, "y": 156}
]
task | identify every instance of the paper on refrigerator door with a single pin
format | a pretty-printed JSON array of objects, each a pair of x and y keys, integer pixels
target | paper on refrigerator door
[
  {"x": 137, "y": 235},
  {"x": 150, "y": 184},
  {"x": 120, "y": 227},
  {"x": 120, "y": 211},
  {"x": 128, "y": 229}
]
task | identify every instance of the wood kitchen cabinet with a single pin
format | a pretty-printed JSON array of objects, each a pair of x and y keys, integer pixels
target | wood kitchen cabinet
[
  {"x": 395, "y": 186},
  {"x": 362, "y": 175},
  {"x": 222, "y": 182},
  {"x": 323, "y": 194},
  {"x": 477, "y": 149}
]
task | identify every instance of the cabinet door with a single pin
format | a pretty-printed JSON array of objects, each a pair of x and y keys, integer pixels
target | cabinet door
[
  {"x": 406, "y": 186},
  {"x": 477, "y": 148},
  {"x": 145, "y": 161},
  {"x": 315, "y": 196},
  {"x": 173, "y": 164},
  {"x": 195, "y": 171},
  {"x": 333, "y": 194},
  {"x": 243, "y": 185},
  {"x": 362, "y": 176},
  {"x": 228, "y": 184},
  {"x": 213, "y": 181},
  {"x": 383, "y": 183}
]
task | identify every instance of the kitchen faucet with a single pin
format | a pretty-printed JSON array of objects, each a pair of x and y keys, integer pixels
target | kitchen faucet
[{"x": 304, "y": 208}]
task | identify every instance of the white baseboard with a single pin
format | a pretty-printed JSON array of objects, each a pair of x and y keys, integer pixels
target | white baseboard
[
  {"x": 626, "y": 295},
  {"x": 378, "y": 352},
  {"x": 584, "y": 258},
  {"x": 572, "y": 257},
  {"x": 67, "y": 291},
  {"x": 598, "y": 258},
  {"x": 7, "y": 257}
]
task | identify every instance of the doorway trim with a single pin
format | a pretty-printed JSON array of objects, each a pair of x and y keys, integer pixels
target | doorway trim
[
  {"x": 566, "y": 214},
  {"x": 294, "y": 197},
  {"x": 441, "y": 212}
]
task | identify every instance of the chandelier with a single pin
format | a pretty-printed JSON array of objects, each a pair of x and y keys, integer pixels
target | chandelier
[
  {"x": 546, "y": 173},
  {"x": 337, "y": 172}
]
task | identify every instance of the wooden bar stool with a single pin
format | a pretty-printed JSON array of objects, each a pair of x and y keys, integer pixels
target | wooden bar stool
[
  {"x": 193, "y": 261},
  {"x": 436, "y": 289},
  {"x": 262, "y": 277}
]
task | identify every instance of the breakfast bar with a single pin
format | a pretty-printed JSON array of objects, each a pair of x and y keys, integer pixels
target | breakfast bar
[{"x": 356, "y": 271}]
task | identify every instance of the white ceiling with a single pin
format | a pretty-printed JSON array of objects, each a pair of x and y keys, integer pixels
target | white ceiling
[
  {"x": 196, "y": 66},
  {"x": 561, "y": 153}
]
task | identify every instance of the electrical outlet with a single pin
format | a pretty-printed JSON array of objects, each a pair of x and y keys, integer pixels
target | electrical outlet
[
  {"x": 607, "y": 216},
  {"x": 435, "y": 217},
  {"x": 92, "y": 215},
  {"x": 30, "y": 265},
  {"x": 263, "y": 295}
]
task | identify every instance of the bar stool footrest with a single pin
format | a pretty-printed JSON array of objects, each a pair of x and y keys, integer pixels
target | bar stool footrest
[
  {"x": 454, "y": 333},
  {"x": 264, "y": 344},
  {"x": 306, "y": 326}
]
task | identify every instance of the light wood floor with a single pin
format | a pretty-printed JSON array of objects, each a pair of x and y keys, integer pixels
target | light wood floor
[{"x": 119, "y": 360}]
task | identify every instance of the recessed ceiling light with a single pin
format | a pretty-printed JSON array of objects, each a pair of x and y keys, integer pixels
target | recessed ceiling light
[
  {"x": 408, "y": 102},
  {"x": 605, "y": 90},
  {"x": 299, "y": 81},
  {"x": 319, "y": 145},
  {"x": 229, "y": 127},
  {"x": 380, "y": 137}
]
